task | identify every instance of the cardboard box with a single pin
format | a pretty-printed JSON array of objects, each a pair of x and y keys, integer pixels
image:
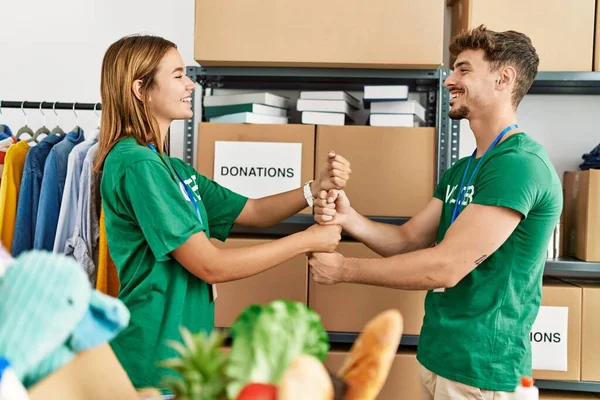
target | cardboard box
[
  {"x": 348, "y": 307},
  {"x": 587, "y": 183},
  {"x": 393, "y": 169},
  {"x": 567, "y": 46},
  {"x": 582, "y": 214},
  {"x": 590, "y": 331},
  {"x": 561, "y": 395},
  {"x": 597, "y": 39},
  {"x": 94, "y": 374},
  {"x": 285, "y": 281},
  {"x": 560, "y": 295},
  {"x": 404, "y": 378},
  {"x": 569, "y": 215},
  {"x": 209, "y": 133},
  {"x": 314, "y": 33}
]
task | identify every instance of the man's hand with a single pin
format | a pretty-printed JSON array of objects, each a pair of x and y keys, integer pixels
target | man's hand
[
  {"x": 327, "y": 268},
  {"x": 334, "y": 174},
  {"x": 332, "y": 207}
]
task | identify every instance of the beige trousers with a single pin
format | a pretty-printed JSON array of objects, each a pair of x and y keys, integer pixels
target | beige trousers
[{"x": 435, "y": 387}]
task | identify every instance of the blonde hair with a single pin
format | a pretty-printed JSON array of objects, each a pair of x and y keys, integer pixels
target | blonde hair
[{"x": 123, "y": 114}]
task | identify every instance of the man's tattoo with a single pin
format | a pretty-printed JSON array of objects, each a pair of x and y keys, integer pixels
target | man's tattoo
[{"x": 480, "y": 259}]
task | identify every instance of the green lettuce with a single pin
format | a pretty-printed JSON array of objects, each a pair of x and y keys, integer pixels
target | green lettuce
[{"x": 267, "y": 339}]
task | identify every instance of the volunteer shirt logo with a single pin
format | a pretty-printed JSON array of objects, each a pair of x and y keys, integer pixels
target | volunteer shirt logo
[
  {"x": 452, "y": 193},
  {"x": 191, "y": 183}
]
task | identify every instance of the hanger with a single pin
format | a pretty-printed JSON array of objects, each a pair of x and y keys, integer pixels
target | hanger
[
  {"x": 76, "y": 120},
  {"x": 25, "y": 129},
  {"x": 43, "y": 130},
  {"x": 57, "y": 130},
  {"x": 97, "y": 115}
]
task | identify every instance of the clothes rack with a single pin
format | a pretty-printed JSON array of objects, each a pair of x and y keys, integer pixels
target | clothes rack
[
  {"x": 51, "y": 105},
  {"x": 48, "y": 105}
]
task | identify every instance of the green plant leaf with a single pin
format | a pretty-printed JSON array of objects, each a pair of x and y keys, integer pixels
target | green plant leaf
[{"x": 267, "y": 339}]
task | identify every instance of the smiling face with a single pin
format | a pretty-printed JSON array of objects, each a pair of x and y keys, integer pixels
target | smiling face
[
  {"x": 472, "y": 85},
  {"x": 170, "y": 98}
]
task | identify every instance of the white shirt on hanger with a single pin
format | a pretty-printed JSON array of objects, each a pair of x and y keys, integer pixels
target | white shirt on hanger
[{"x": 68, "y": 208}]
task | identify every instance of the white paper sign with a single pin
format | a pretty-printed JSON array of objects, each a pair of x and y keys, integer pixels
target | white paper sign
[
  {"x": 548, "y": 338},
  {"x": 258, "y": 169}
]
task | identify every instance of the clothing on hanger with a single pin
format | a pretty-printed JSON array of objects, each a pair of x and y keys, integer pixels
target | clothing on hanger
[
  {"x": 51, "y": 192},
  {"x": 4, "y": 146},
  {"x": 70, "y": 198},
  {"x": 108, "y": 277},
  {"x": 9, "y": 191},
  {"x": 4, "y": 129},
  {"x": 83, "y": 245},
  {"x": 29, "y": 194}
]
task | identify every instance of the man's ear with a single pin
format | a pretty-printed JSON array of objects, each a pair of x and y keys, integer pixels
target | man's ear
[
  {"x": 136, "y": 87},
  {"x": 507, "y": 77}
]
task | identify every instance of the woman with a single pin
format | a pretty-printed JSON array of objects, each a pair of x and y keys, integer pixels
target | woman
[{"x": 160, "y": 213}]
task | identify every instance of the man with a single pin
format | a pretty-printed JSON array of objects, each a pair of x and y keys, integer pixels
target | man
[{"x": 490, "y": 220}]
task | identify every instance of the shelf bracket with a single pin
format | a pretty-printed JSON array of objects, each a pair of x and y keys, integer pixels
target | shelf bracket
[{"x": 448, "y": 130}]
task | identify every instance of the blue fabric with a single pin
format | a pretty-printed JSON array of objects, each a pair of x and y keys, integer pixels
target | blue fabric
[
  {"x": 101, "y": 323},
  {"x": 51, "y": 192},
  {"x": 29, "y": 194},
  {"x": 4, "y": 364},
  {"x": 591, "y": 160},
  {"x": 7, "y": 130}
]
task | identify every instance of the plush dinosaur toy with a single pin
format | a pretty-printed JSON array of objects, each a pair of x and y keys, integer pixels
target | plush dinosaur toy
[{"x": 49, "y": 312}]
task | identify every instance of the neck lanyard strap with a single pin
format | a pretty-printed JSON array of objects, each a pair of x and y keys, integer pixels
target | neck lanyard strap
[
  {"x": 462, "y": 191},
  {"x": 188, "y": 191}
]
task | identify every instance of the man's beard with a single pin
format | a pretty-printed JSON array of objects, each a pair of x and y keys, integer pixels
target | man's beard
[{"x": 461, "y": 112}]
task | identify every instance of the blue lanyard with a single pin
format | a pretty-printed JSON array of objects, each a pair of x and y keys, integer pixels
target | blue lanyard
[
  {"x": 462, "y": 191},
  {"x": 187, "y": 189}
]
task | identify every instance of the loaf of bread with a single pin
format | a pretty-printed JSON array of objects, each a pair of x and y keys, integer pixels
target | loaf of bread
[
  {"x": 305, "y": 379},
  {"x": 366, "y": 367}
]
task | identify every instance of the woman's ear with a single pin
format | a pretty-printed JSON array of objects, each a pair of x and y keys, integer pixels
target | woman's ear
[{"x": 136, "y": 87}]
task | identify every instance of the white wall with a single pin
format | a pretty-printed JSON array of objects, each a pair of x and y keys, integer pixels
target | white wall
[
  {"x": 52, "y": 51},
  {"x": 567, "y": 126}
]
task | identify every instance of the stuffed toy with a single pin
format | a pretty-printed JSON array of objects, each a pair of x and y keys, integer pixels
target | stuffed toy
[{"x": 49, "y": 313}]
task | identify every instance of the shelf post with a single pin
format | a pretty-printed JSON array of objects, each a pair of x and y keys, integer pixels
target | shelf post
[{"x": 448, "y": 130}]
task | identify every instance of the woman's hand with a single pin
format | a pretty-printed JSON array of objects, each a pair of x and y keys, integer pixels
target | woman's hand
[{"x": 323, "y": 238}]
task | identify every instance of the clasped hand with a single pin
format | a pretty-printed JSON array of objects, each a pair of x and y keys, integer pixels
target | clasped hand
[{"x": 331, "y": 209}]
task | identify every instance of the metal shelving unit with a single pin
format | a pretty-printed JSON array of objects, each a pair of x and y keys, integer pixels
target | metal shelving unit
[
  {"x": 438, "y": 102},
  {"x": 568, "y": 267},
  {"x": 265, "y": 78},
  {"x": 429, "y": 82}
]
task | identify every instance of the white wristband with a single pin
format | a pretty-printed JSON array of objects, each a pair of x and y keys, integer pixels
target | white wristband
[{"x": 308, "y": 194}]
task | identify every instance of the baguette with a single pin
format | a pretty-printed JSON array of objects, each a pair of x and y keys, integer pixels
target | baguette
[{"x": 366, "y": 367}]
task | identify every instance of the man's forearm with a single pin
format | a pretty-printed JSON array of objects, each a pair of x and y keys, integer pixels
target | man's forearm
[
  {"x": 419, "y": 270},
  {"x": 384, "y": 239}
]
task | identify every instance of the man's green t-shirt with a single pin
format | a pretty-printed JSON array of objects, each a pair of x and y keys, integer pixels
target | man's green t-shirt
[
  {"x": 148, "y": 215},
  {"x": 477, "y": 332}
]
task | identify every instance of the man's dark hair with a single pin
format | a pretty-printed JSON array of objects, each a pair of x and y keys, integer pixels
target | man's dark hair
[{"x": 502, "y": 49}]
